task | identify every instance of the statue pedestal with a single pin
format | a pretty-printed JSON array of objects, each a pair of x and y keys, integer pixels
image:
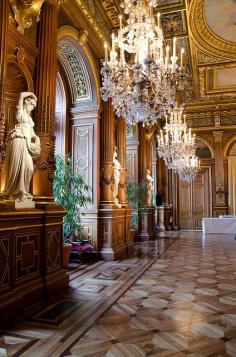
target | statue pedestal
[
  {"x": 115, "y": 241},
  {"x": 160, "y": 221},
  {"x": 31, "y": 257},
  {"x": 24, "y": 204},
  {"x": 168, "y": 217},
  {"x": 147, "y": 224}
]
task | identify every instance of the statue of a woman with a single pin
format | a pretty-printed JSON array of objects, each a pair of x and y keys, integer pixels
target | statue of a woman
[
  {"x": 23, "y": 145},
  {"x": 149, "y": 188},
  {"x": 117, "y": 171}
]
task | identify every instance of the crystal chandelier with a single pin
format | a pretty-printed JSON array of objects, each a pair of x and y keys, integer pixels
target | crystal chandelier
[
  {"x": 188, "y": 168},
  {"x": 177, "y": 146},
  {"x": 141, "y": 76},
  {"x": 176, "y": 140}
]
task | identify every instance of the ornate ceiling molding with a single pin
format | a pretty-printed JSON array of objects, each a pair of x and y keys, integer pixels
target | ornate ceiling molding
[
  {"x": 204, "y": 37},
  {"x": 95, "y": 21}
]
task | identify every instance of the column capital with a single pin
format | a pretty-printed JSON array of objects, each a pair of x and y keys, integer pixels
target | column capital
[{"x": 218, "y": 136}]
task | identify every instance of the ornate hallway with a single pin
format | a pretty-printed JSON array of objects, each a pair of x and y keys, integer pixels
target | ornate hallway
[{"x": 181, "y": 304}]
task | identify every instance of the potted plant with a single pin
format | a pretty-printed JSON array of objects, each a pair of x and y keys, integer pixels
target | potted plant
[
  {"x": 137, "y": 197},
  {"x": 72, "y": 192}
]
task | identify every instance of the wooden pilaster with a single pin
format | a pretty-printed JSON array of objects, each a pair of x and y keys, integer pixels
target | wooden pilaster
[
  {"x": 4, "y": 16},
  {"x": 121, "y": 147},
  {"x": 46, "y": 93}
]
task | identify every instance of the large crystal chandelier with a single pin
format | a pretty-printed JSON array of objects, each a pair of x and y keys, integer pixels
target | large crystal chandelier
[
  {"x": 141, "y": 75},
  {"x": 177, "y": 146}
]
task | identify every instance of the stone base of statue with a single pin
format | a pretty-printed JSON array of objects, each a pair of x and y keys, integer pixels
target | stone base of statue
[
  {"x": 147, "y": 224},
  {"x": 22, "y": 204},
  {"x": 15, "y": 203}
]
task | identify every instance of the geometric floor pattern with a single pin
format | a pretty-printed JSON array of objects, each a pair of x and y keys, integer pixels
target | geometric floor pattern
[{"x": 182, "y": 303}]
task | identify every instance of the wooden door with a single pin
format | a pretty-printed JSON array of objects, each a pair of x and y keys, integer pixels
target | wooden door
[{"x": 194, "y": 200}]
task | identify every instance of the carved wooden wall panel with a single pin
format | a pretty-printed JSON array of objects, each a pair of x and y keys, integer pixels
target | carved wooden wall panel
[
  {"x": 27, "y": 254},
  {"x": 83, "y": 135},
  {"x": 54, "y": 248},
  {"x": 132, "y": 164},
  {"x": 4, "y": 261}
]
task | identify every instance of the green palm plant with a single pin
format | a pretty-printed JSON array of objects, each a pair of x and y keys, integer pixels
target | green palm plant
[
  {"x": 137, "y": 197},
  {"x": 72, "y": 192}
]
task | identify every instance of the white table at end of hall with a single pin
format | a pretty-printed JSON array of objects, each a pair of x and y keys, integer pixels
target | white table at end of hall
[{"x": 223, "y": 225}]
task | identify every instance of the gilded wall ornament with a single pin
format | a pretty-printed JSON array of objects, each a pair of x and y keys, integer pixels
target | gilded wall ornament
[{"x": 25, "y": 12}]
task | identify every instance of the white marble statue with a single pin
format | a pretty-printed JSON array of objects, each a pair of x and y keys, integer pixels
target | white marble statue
[
  {"x": 149, "y": 188},
  {"x": 117, "y": 171},
  {"x": 23, "y": 145}
]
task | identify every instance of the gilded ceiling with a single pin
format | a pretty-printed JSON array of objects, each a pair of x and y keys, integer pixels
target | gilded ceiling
[
  {"x": 223, "y": 26},
  {"x": 207, "y": 31}
]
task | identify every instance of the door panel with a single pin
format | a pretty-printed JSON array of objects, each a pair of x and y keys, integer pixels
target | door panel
[
  {"x": 194, "y": 200},
  {"x": 185, "y": 206}
]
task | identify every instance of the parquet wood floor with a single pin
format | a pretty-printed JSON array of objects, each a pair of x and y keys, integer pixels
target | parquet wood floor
[{"x": 182, "y": 303}]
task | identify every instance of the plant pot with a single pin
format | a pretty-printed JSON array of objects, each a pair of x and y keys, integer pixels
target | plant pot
[
  {"x": 132, "y": 234},
  {"x": 66, "y": 254}
]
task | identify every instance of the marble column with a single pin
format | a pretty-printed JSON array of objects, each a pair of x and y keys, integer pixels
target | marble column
[
  {"x": 112, "y": 227},
  {"x": 46, "y": 93},
  {"x": 220, "y": 199},
  {"x": 4, "y": 16}
]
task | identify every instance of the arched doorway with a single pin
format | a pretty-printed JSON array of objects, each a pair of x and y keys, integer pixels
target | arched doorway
[{"x": 195, "y": 198}]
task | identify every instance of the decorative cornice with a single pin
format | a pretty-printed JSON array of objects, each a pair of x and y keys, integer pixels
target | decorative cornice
[
  {"x": 85, "y": 113},
  {"x": 93, "y": 22}
]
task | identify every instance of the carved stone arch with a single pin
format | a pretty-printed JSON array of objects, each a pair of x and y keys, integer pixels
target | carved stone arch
[
  {"x": 78, "y": 41},
  {"x": 228, "y": 145},
  {"x": 208, "y": 144},
  {"x": 204, "y": 37},
  {"x": 76, "y": 71}
]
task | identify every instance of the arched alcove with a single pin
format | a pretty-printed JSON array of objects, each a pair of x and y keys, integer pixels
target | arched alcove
[
  {"x": 202, "y": 150},
  {"x": 78, "y": 114},
  {"x": 16, "y": 83}
]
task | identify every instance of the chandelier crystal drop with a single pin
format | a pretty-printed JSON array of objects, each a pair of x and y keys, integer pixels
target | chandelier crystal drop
[
  {"x": 141, "y": 75},
  {"x": 177, "y": 146}
]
